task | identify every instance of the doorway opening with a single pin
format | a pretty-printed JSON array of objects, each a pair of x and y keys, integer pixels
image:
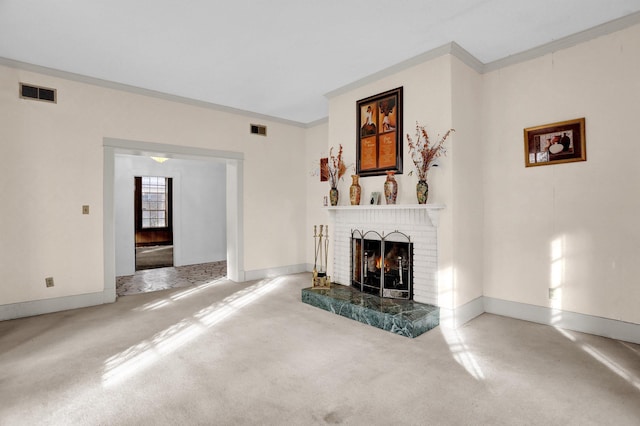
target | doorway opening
[
  {"x": 153, "y": 217},
  {"x": 122, "y": 235}
]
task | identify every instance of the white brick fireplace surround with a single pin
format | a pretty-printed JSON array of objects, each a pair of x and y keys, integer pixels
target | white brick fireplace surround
[{"x": 419, "y": 222}]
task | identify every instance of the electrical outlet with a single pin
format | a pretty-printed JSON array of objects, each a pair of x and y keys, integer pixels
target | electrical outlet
[
  {"x": 553, "y": 293},
  {"x": 49, "y": 281},
  {"x": 85, "y": 209}
]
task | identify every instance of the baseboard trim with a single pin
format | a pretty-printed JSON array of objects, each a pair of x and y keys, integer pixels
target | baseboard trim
[
  {"x": 258, "y": 274},
  {"x": 605, "y": 327},
  {"x": 47, "y": 306},
  {"x": 455, "y": 318},
  {"x": 614, "y": 329}
]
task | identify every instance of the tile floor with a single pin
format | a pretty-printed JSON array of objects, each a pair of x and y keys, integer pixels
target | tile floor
[{"x": 165, "y": 278}]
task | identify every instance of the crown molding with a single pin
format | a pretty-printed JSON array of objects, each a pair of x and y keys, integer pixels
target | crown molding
[
  {"x": 52, "y": 72},
  {"x": 566, "y": 42},
  {"x": 401, "y": 66},
  {"x": 451, "y": 48},
  {"x": 315, "y": 123},
  {"x": 474, "y": 63}
]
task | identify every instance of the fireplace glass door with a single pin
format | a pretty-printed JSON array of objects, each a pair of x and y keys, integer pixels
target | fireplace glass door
[{"x": 382, "y": 264}]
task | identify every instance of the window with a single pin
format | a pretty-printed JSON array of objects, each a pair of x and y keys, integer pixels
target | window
[{"x": 155, "y": 201}]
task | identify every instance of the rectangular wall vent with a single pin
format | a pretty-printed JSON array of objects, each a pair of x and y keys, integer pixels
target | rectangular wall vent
[
  {"x": 258, "y": 129},
  {"x": 28, "y": 91}
]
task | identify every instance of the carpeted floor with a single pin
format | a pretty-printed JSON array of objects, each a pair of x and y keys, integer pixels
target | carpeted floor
[
  {"x": 154, "y": 257},
  {"x": 225, "y": 353}
]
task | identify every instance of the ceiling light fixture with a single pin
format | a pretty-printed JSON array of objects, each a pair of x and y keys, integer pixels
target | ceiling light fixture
[{"x": 159, "y": 159}]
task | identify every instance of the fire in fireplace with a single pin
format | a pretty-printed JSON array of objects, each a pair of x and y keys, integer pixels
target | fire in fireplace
[{"x": 382, "y": 264}]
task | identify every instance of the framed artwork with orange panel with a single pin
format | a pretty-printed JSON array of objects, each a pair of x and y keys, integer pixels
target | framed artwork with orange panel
[{"x": 379, "y": 134}]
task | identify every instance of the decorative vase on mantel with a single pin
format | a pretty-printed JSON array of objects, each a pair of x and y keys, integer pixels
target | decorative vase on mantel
[
  {"x": 355, "y": 191},
  {"x": 422, "y": 191},
  {"x": 390, "y": 188},
  {"x": 333, "y": 196}
]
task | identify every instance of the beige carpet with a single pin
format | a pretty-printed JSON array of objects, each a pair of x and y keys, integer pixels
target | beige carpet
[{"x": 252, "y": 354}]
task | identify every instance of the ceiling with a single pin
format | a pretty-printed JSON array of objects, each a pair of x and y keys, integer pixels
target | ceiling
[{"x": 278, "y": 57}]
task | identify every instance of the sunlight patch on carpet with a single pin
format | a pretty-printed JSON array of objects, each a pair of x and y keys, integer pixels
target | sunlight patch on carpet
[
  {"x": 145, "y": 354},
  {"x": 157, "y": 304},
  {"x": 607, "y": 360},
  {"x": 462, "y": 354}
]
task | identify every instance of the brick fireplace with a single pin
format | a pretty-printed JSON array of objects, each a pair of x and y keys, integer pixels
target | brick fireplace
[
  {"x": 365, "y": 233},
  {"x": 419, "y": 222}
]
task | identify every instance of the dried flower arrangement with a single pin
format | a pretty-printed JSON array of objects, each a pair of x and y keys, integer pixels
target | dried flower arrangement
[
  {"x": 423, "y": 153},
  {"x": 335, "y": 167}
]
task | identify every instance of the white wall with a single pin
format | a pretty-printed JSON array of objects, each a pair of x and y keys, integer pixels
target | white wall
[
  {"x": 199, "y": 209},
  {"x": 316, "y": 148},
  {"x": 468, "y": 190},
  {"x": 427, "y": 99},
  {"x": 202, "y": 212},
  {"x": 572, "y": 226},
  {"x": 52, "y": 164}
]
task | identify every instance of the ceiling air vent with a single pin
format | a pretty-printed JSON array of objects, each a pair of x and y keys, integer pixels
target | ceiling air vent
[
  {"x": 257, "y": 129},
  {"x": 45, "y": 94}
]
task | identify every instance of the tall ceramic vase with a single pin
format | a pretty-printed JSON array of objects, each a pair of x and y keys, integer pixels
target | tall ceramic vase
[
  {"x": 422, "y": 191},
  {"x": 390, "y": 188},
  {"x": 333, "y": 196},
  {"x": 355, "y": 191}
]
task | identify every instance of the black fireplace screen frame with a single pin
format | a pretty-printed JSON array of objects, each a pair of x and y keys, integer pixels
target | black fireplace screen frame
[{"x": 382, "y": 264}]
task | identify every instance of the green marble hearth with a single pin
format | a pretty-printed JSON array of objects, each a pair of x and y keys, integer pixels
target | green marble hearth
[{"x": 404, "y": 317}]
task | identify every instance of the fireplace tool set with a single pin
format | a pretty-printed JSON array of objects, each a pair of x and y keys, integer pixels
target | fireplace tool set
[{"x": 321, "y": 243}]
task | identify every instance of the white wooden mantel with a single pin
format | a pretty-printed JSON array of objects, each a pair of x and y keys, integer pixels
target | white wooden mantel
[{"x": 433, "y": 210}]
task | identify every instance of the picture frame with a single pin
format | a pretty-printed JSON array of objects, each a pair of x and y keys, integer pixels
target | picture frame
[
  {"x": 375, "y": 198},
  {"x": 379, "y": 134},
  {"x": 555, "y": 143},
  {"x": 324, "y": 169}
]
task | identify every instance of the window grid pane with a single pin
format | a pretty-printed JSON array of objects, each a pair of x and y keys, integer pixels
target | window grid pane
[{"x": 154, "y": 206}]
